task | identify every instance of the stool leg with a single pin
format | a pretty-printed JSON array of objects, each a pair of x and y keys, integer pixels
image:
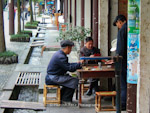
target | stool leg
[
  {"x": 99, "y": 103},
  {"x": 58, "y": 95},
  {"x": 45, "y": 95},
  {"x": 96, "y": 102},
  {"x": 113, "y": 101}
]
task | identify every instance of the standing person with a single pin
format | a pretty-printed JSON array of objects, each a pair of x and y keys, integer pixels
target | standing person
[
  {"x": 121, "y": 50},
  {"x": 15, "y": 10},
  {"x": 57, "y": 71},
  {"x": 26, "y": 13},
  {"x": 89, "y": 51},
  {"x": 29, "y": 11}
]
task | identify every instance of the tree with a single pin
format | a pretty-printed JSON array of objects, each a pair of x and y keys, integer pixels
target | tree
[
  {"x": 35, "y": 1},
  {"x": 31, "y": 12},
  {"x": 19, "y": 15},
  {"x": 40, "y": 7},
  {"x": 23, "y": 13},
  {"x": 2, "y": 37}
]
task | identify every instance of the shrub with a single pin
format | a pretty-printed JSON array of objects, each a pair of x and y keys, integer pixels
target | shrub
[
  {"x": 33, "y": 23},
  {"x": 7, "y": 54},
  {"x": 31, "y": 26},
  {"x": 27, "y": 32},
  {"x": 8, "y": 57},
  {"x": 20, "y": 36}
]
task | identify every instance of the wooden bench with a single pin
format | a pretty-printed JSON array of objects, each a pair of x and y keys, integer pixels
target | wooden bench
[
  {"x": 99, "y": 95},
  {"x": 12, "y": 104}
]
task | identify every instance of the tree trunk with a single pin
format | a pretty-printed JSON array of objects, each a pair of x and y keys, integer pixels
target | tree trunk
[
  {"x": 19, "y": 15},
  {"x": 2, "y": 37},
  {"x": 23, "y": 14},
  {"x": 34, "y": 9},
  {"x": 31, "y": 12},
  {"x": 11, "y": 18},
  {"x": 40, "y": 9}
]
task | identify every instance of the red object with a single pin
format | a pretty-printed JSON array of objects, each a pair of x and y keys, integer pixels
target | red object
[
  {"x": 97, "y": 54},
  {"x": 95, "y": 66},
  {"x": 103, "y": 60}
]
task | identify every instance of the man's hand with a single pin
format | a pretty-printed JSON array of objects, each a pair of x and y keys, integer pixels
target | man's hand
[
  {"x": 81, "y": 61},
  {"x": 109, "y": 62},
  {"x": 91, "y": 55}
]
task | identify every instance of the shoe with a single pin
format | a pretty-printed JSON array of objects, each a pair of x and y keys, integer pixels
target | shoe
[
  {"x": 89, "y": 92},
  {"x": 69, "y": 103},
  {"x": 93, "y": 92}
]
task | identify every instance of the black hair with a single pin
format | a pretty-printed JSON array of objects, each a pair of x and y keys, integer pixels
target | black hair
[
  {"x": 88, "y": 39},
  {"x": 119, "y": 18},
  {"x": 122, "y": 18}
]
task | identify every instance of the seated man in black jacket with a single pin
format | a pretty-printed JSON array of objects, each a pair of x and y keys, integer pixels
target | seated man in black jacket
[
  {"x": 89, "y": 51},
  {"x": 57, "y": 71}
]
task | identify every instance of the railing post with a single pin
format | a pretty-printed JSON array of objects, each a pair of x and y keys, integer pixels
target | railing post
[{"x": 118, "y": 69}]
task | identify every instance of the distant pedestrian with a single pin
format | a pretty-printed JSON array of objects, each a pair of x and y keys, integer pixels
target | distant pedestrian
[
  {"x": 28, "y": 11},
  {"x": 15, "y": 9}
]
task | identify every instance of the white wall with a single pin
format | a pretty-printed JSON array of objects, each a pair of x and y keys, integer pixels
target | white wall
[
  {"x": 69, "y": 12},
  {"x": 113, "y": 14},
  {"x": 103, "y": 26},
  {"x": 143, "y": 87},
  {"x": 73, "y": 13},
  {"x": 87, "y": 14},
  {"x": 78, "y": 12}
]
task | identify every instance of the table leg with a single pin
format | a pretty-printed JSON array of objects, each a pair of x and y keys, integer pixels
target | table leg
[
  {"x": 77, "y": 94},
  {"x": 80, "y": 97}
]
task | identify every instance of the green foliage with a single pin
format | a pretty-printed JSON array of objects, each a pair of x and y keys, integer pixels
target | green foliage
[
  {"x": 75, "y": 34},
  {"x": 24, "y": 32},
  {"x": 30, "y": 26},
  {"x": 33, "y": 23},
  {"x": 27, "y": 32},
  {"x": 20, "y": 36},
  {"x": 39, "y": 1},
  {"x": 7, "y": 54}
]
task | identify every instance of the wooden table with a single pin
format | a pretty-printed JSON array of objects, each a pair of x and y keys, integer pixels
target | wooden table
[{"x": 93, "y": 73}]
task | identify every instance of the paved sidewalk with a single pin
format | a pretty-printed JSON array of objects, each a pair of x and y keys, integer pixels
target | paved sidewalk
[{"x": 6, "y": 71}]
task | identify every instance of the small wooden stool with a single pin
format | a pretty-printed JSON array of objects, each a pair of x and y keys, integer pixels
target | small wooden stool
[
  {"x": 98, "y": 106},
  {"x": 51, "y": 100}
]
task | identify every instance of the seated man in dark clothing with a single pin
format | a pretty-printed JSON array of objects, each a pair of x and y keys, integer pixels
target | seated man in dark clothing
[
  {"x": 57, "y": 68},
  {"x": 89, "y": 50}
]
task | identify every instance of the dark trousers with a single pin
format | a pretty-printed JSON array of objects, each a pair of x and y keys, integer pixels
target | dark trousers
[
  {"x": 26, "y": 14},
  {"x": 94, "y": 84},
  {"x": 124, "y": 84},
  {"x": 67, "y": 94}
]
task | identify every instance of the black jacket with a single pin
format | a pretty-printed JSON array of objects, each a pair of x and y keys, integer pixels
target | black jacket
[
  {"x": 122, "y": 42},
  {"x": 59, "y": 64}
]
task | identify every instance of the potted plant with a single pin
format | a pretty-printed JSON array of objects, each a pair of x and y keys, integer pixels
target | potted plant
[{"x": 76, "y": 34}]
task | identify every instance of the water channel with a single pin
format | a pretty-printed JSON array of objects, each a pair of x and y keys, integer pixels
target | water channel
[{"x": 28, "y": 93}]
